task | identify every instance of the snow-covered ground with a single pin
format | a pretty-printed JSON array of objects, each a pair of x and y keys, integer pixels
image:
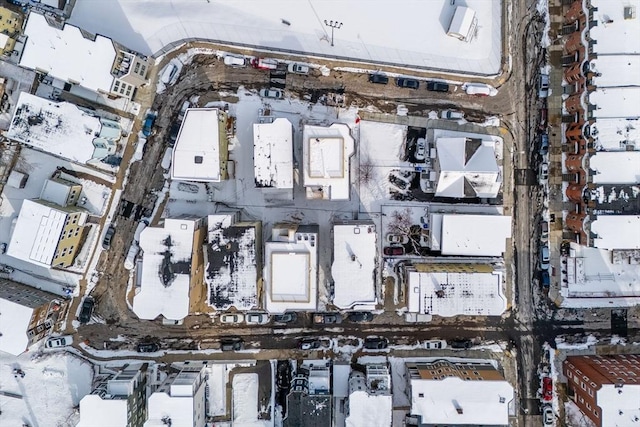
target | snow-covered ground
[
  {"x": 52, "y": 386},
  {"x": 402, "y": 32},
  {"x": 245, "y": 401}
]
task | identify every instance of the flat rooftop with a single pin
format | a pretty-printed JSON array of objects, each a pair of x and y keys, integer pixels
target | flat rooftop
[
  {"x": 273, "y": 154},
  {"x": 614, "y": 34},
  {"x": 470, "y": 235},
  {"x": 615, "y": 102},
  {"x": 196, "y": 155},
  {"x": 616, "y": 134},
  {"x": 616, "y": 231},
  {"x": 615, "y": 167}
]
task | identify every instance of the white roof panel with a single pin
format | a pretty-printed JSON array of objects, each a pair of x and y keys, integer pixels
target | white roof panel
[
  {"x": 616, "y": 70},
  {"x": 273, "y": 153},
  {"x": 615, "y": 167},
  {"x": 369, "y": 410},
  {"x": 616, "y": 102},
  {"x": 112, "y": 412},
  {"x": 616, "y": 134},
  {"x": 616, "y": 231},
  {"x": 620, "y": 406},
  {"x": 13, "y": 330},
  {"x": 475, "y": 235},
  {"x": 196, "y": 155},
  {"x": 614, "y": 34}
]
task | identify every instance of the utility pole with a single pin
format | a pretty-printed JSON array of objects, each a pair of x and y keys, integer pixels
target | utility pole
[{"x": 334, "y": 25}]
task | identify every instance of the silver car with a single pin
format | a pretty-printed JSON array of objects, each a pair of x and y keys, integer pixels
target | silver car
[
  {"x": 61, "y": 341},
  {"x": 271, "y": 93}
]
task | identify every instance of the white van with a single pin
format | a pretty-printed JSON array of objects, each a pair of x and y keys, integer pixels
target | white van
[
  {"x": 479, "y": 89},
  {"x": 130, "y": 260},
  {"x": 169, "y": 73},
  {"x": 235, "y": 60}
]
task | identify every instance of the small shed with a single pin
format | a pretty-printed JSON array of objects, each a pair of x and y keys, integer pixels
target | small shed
[
  {"x": 17, "y": 179},
  {"x": 463, "y": 24}
]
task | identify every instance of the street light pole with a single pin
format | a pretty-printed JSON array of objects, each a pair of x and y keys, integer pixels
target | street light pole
[{"x": 334, "y": 25}]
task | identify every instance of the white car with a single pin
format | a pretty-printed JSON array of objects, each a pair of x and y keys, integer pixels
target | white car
[
  {"x": 421, "y": 148},
  {"x": 235, "y": 61},
  {"x": 271, "y": 93},
  {"x": 257, "y": 318},
  {"x": 61, "y": 341},
  {"x": 479, "y": 89},
  {"x": 543, "y": 176},
  {"x": 435, "y": 344},
  {"x": 397, "y": 239},
  {"x": 232, "y": 318},
  {"x": 298, "y": 69},
  {"x": 451, "y": 115}
]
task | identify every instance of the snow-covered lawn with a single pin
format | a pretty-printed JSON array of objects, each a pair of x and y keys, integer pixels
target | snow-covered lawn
[{"x": 52, "y": 386}]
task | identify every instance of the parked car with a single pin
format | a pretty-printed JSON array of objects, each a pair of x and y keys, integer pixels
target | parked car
[
  {"x": 360, "y": 316},
  {"x": 147, "y": 347},
  {"x": 60, "y": 341},
  {"x": 170, "y": 71},
  {"x": 298, "y": 69},
  {"x": 408, "y": 83},
  {"x": 437, "y": 87},
  {"x": 86, "y": 310},
  {"x": 544, "y": 230},
  {"x": 264, "y": 63},
  {"x": 308, "y": 344},
  {"x": 547, "y": 389},
  {"x": 543, "y": 86},
  {"x": 544, "y": 113},
  {"x": 375, "y": 343},
  {"x": 380, "y": 79},
  {"x": 544, "y": 257},
  {"x": 543, "y": 176},
  {"x": 393, "y": 250},
  {"x": 257, "y": 318},
  {"x": 545, "y": 280},
  {"x": 547, "y": 415},
  {"x": 288, "y": 317},
  {"x": 397, "y": 239},
  {"x": 435, "y": 344},
  {"x": 479, "y": 89},
  {"x": 271, "y": 93},
  {"x": 327, "y": 318},
  {"x": 544, "y": 144},
  {"x": 235, "y": 60},
  {"x": 148, "y": 124},
  {"x": 460, "y": 343},
  {"x": 3, "y": 248},
  {"x": 421, "y": 148},
  {"x": 452, "y": 115},
  {"x": 231, "y": 344},
  {"x": 106, "y": 241},
  {"x": 233, "y": 318}
]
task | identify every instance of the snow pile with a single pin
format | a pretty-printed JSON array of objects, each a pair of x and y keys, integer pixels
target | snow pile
[
  {"x": 245, "y": 401},
  {"x": 543, "y": 9},
  {"x": 575, "y": 417}
]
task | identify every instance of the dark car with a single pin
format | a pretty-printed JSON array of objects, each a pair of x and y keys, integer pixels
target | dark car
[
  {"x": 86, "y": 310},
  {"x": 437, "y": 87},
  {"x": 460, "y": 343},
  {"x": 173, "y": 132},
  {"x": 147, "y": 347},
  {"x": 360, "y": 316},
  {"x": 375, "y": 343},
  {"x": 148, "y": 124},
  {"x": 326, "y": 318},
  {"x": 547, "y": 389},
  {"x": 308, "y": 344},
  {"x": 380, "y": 79},
  {"x": 106, "y": 241},
  {"x": 545, "y": 280},
  {"x": 544, "y": 144},
  {"x": 393, "y": 250},
  {"x": 288, "y": 317},
  {"x": 408, "y": 83},
  {"x": 544, "y": 114},
  {"x": 231, "y": 344}
]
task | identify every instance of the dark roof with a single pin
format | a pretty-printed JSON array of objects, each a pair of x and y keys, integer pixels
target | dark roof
[
  {"x": 308, "y": 411},
  {"x": 618, "y": 199}
]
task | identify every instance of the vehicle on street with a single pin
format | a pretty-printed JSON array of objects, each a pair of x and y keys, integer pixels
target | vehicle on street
[
  {"x": 360, "y": 316},
  {"x": 544, "y": 257},
  {"x": 257, "y": 318},
  {"x": 544, "y": 144},
  {"x": 380, "y": 79},
  {"x": 3, "y": 248},
  {"x": 408, "y": 83},
  {"x": 460, "y": 343},
  {"x": 148, "y": 124},
  {"x": 375, "y": 343},
  {"x": 393, "y": 250},
  {"x": 547, "y": 389},
  {"x": 437, "y": 87},
  {"x": 421, "y": 148},
  {"x": 235, "y": 60},
  {"x": 264, "y": 63},
  {"x": 479, "y": 89},
  {"x": 435, "y": 344},
  {"x": 271, "y": 93},
  {"x": 545, "y": 280},
  {"x": 397, "y": 239},
  {"x": 231, "y": 344},
  {"x": 451, "y": 115},
  {"x": 544, "y": 230},
  {"x": 327, "y": 318},
  {"x": 86, "y": 310},
  {"x": 544, "y": 114},
  {"x": 106, "y": 241},
  {"x": 308, "y": 344},
  {"x": 288, "y": 317},
  {"x": 169, "y": 73},
  {"x": 547, "y": 415},
  {"x": 60, "y": 341},
  {"x": 543, "y": 176},
  {"x": 298, "y": 69},
  {"x": 147, "y": 347},
  {"x": 232, "y": 318},
  {"x": 398, "y": 182},
  {"x": 543, "y": 86}
]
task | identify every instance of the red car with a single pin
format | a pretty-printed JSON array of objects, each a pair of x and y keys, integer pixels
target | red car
[
  {"x": 393, "y": 250},
  {"x": 547, "y": 389}
]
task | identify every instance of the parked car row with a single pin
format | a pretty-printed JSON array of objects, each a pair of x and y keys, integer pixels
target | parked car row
[
  {"x": 409, "y": 83},
  {"x": 252, "y": 318}
]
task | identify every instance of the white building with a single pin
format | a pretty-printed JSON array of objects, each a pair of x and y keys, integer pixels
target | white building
[
  {"x": 167, "y": 269},
  {"x": 469, "y": 235},
  {"x": 291, "y": 268},
  {"x": 180, "y": 400},
  {"x": 616, "y": 231},
  {"x": 200, "y": 153},
  {"x": 233, "y": 262},
  {"x": 463, "y": 24},
  {"x": 273, "y": 154},
  {"x": 611, "y": 167},
  {"x": 455, "y": 290},
  {"x": 326, "y": 153},
  {"x": 466, "y": 167},
  {"x": 354, "y": 265},
  {"x": 370, "y": 401}
]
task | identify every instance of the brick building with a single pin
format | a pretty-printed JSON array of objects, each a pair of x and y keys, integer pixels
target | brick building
[{"x": 605, "y": 388}]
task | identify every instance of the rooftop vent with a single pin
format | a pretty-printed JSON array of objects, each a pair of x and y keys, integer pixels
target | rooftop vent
[
  {"x": 629, "y": 12},
  {"x": 198, "y": 160}
]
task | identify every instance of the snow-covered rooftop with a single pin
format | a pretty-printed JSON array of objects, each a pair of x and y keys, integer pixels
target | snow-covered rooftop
[
  {"x": 13, "y": 336},
  {"x": 181, "y": 400},
  {"x": 354, "y": 264},
  {"x": 67, "y": 55},
  {"x": 59, "y": 128},
  {"x": 615, "y": 102},
  {"x": 327, "y": 151},
  {"x": 467, "y": 168},
  {"x": 369, "y": 410},
  {"x": 616, "y": 231},
  {"x": 616, "y": 134},
  {"x": 196, "y": 155},
  {"x": 273, "y": 154},
  {"x": 470, "y": 235},
  {"x": 166, "y": 270},
  {"x": 232, "y": 257},
  {"x": 453, "y": 293},
  {"x": 616, "y": 70},
  {"x": 112, "y": 412},
  {"x": 619, "y": 405},
  {"x": 613, "y": 33},
  {"x": 615, "y": 167}
]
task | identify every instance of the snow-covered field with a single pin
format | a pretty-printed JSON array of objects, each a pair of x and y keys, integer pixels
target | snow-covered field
[
  {"x": 52, "y": 386},
  {"x": 402, "y": 32}
]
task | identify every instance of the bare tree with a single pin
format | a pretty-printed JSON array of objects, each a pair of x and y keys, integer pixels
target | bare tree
[
  {"x": 365, "y": 172},
  {"x": 402, "y": 225}
]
